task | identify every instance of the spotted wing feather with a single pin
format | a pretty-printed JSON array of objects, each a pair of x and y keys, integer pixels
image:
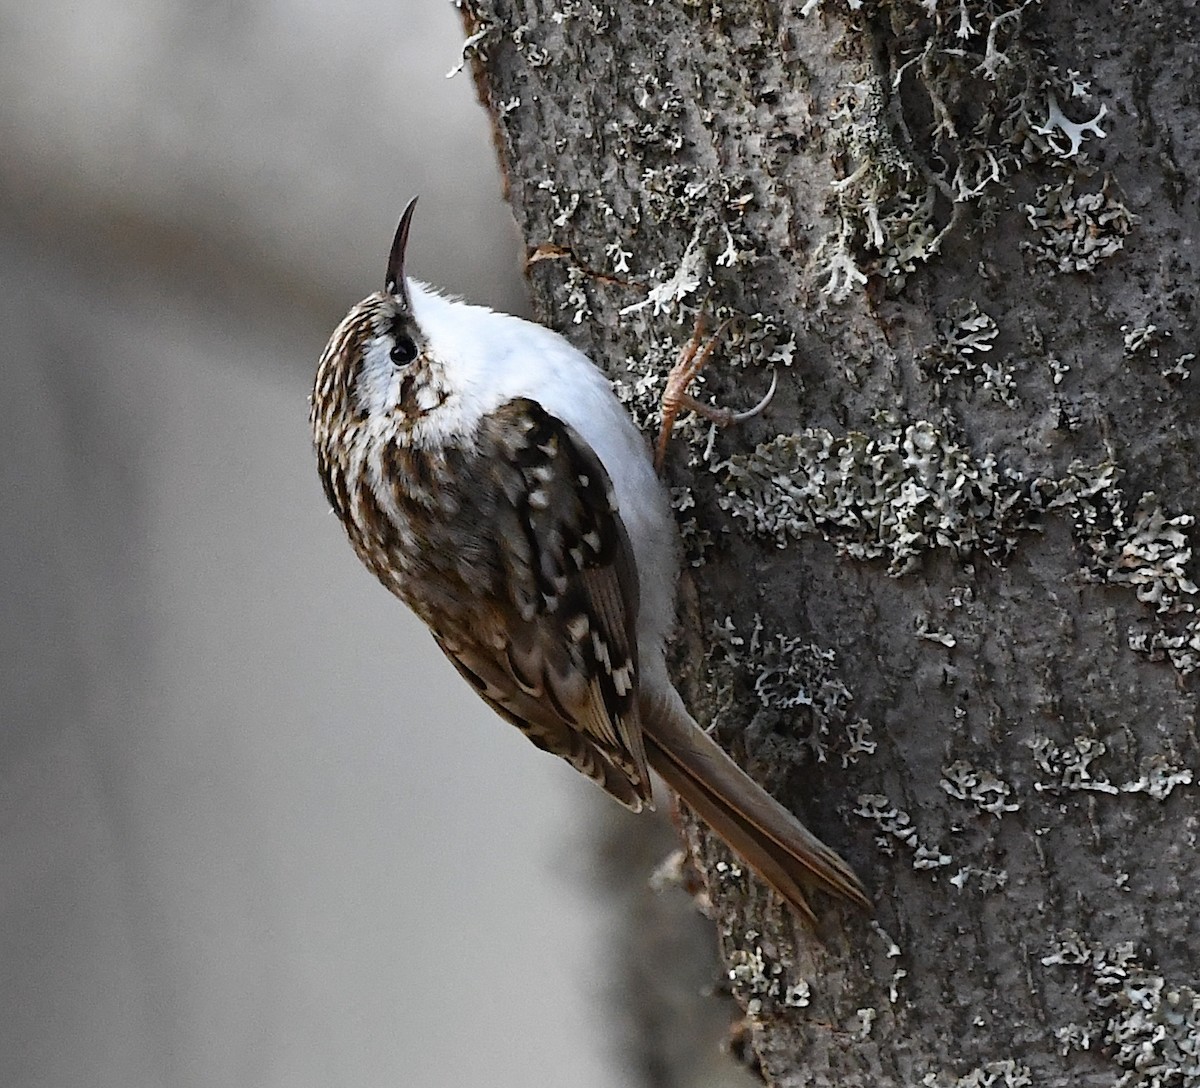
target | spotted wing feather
[{"x": 552, "y": 646}]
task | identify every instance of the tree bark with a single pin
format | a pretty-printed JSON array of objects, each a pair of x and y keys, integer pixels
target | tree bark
[{"x": 940, "y": 594}]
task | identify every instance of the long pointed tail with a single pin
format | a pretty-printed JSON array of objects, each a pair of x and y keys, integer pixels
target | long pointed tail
[{"x": 773, "y": 842}]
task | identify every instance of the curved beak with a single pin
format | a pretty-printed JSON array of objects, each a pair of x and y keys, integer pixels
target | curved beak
[{"x": 394, "y": 283}]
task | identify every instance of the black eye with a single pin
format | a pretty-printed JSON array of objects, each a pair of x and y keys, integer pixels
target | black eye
[{"x": 404, "y": 351}]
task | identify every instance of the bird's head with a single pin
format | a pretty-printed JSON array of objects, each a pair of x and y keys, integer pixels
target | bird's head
[{"x": 378, "y": 377}]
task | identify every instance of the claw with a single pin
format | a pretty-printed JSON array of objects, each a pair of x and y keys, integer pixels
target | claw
[
  {"x": 676, "y": 397},
  {"x": 724, "y": 417}
]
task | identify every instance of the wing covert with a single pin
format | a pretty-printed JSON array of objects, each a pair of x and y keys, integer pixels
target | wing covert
[{"x": 553, "y": 646}]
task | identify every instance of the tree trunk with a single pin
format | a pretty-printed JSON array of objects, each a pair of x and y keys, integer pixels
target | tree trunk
[{"x": 940, "y": 596}]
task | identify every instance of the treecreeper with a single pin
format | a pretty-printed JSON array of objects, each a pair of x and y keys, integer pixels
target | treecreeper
[{"x": 486, "y": 473}]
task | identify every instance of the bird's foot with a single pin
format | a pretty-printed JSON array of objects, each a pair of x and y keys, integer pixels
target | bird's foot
[{"x": 676, "y": 397}]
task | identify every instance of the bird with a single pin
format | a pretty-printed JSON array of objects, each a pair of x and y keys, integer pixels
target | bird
[{"x": 487, "y": 474}]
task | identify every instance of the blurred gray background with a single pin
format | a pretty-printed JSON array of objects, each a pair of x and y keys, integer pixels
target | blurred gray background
[{"x": 253, "y": 830}]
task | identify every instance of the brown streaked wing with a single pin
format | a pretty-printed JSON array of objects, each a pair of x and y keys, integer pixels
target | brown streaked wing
[
  {"x": 546, "y": 730},
  {"x": 553, "y": 647},
  {"x": 558, "y": 658}
]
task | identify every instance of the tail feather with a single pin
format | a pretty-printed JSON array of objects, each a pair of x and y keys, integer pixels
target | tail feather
[{"x": 773, "y": 842}]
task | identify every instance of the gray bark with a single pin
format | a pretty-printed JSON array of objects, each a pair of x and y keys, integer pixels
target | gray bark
[{"x": 941, "y": 597}]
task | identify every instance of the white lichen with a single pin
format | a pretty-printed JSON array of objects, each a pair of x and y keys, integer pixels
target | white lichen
[
  {"x": 836, "y": 262},
  {"x": 893, "y": 497},
  {"x": 1143, "y": 547},
  {"x": 894, "y": 823},
  {"x": 1149, "y": 342},
  {"x": 618, "y": 255},
  {"x": 913, "y": 490},
  {"x": 1159, "y": 778},
  {"x": 1146, "y": 1025},
  {"x": 893, "y": 204},
  {"x": 1180, "y": 369},
  {"x": 893, "y": 949},
  {"x": 1006, "y": 1073},
  {"x": 965, "y": 337},
  {"x": 787, "y": 675},
  {"x": 696, "y": 536},
  {"x": 1069, "y": 949},
  {"x": 1075, "y": 232},
  {"x": 986, "y": 791},
  {"x": 861, "y": 744},
  {"x": 989, "y": 879},
  {"x": 865, "y": 1021},
  {"x": 761, "y": 981},
  {"x": 474, "y": 46},
  {"x": 577, "y": 299},
  {"x": 1073, "y": 1037},
  {"x": 1058, "y": 126},
  {"x": 1182, "y": 649},
  {"x": 924, "y": 631},
  {"x": 1069, "y": 767},
  {"x": 963, "y": 331},
  {"x": 669, "y": 291}
]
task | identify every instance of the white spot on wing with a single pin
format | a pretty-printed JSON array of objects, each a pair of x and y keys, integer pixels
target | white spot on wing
[{"x": 623, "y": 679}]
